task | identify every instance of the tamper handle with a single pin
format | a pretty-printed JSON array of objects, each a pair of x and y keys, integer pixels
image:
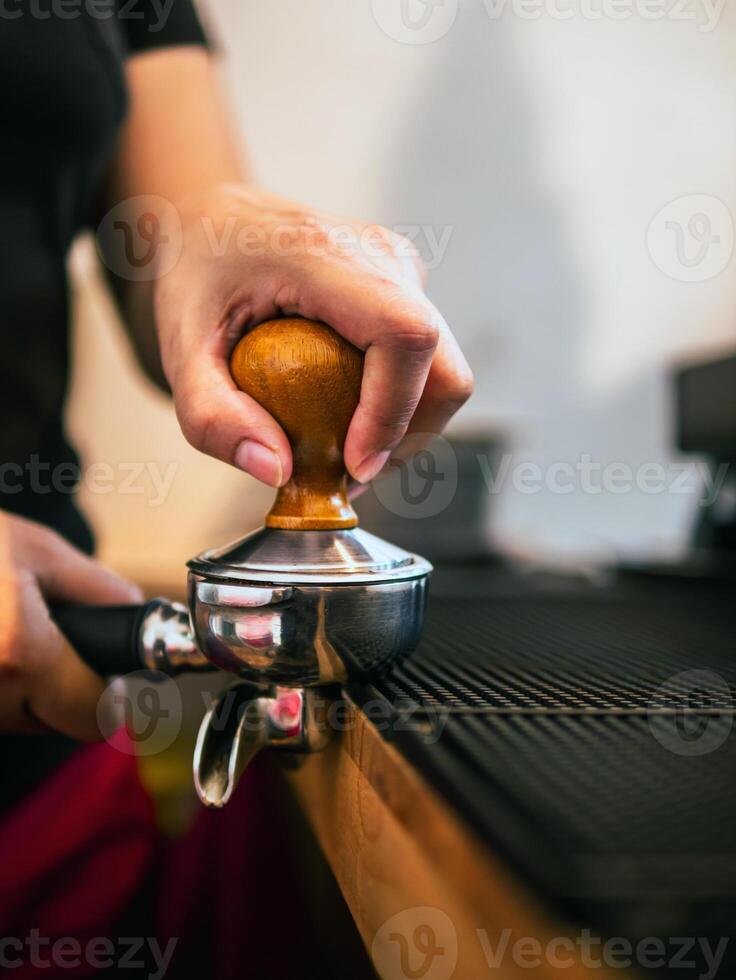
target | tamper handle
[{"x": 308, "y": 377}]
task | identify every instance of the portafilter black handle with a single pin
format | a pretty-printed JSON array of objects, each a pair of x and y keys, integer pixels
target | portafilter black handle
[{"x": 154, "y": 635}]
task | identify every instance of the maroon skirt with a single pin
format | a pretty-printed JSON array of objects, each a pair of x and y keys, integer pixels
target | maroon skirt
[{"x": 87, "y": 881}]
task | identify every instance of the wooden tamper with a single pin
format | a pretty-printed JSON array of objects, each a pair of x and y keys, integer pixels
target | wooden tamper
[{"x": 308, "y": 378}]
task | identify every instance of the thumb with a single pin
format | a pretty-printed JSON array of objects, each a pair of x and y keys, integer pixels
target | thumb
[
  {"x": 222, "y": 421},
  {"x": 68, "y": 695},
  {"x": 62, "y": 692},
  {"x": 66, "y": 574}
]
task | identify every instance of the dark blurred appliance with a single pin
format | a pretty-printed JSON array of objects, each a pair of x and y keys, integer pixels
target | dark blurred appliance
[
  {"x": 440, "y": 500},
  {"x": 706, "y": 424}
]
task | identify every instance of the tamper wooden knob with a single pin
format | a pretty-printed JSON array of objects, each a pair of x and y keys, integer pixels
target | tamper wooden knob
[{"x": 308, "y": 378}]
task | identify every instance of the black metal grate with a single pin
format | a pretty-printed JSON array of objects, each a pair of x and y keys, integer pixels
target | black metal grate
[
  {"x": 569, "y": 654},
  {"x": 590, "y": 739},
  {"x": 580, "y": 775}
]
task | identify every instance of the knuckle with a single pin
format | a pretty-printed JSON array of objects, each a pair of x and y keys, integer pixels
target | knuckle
[
  {"x": 305, "y": 234},
  {"x": 44, "y": 544},
  {"x": 12, "y": 654},
  {"x": 335, "y": 241},
  {"x": 198, "y": 420},
  {"x": 316, "y": 236},
  {"x": 381, "y": 231},
  {"x": 10, "y": 664},
  {"x": 382, "y": 238},
  {"x": 393, "y": 244},
  {"x": 414, "y": 334},
  {"x": 392, "y": 427},
  {"x": 51, "y": 539},
  {"x": 461, "y": 387},
  {"x": 296, "y": 217}
]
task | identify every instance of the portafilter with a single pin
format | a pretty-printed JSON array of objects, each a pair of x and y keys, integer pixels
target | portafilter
[{"x": 305, "y": 601}]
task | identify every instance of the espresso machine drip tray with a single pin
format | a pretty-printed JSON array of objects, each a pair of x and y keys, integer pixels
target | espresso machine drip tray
[{"x": 589, "y": 739}]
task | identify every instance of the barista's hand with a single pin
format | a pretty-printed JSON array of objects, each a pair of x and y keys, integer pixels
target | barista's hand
[
  {"x": 43, "y": 683},
  {"x": 248, "y": 256}
]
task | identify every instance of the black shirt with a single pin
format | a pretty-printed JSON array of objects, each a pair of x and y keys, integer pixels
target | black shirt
[{"x": 63, "y": 100}]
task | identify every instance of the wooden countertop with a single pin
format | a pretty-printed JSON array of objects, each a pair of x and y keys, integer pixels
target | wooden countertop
[{"x": 428, "y": 897}]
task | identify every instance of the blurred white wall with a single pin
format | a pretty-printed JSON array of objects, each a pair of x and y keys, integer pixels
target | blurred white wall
[{"x": 543, "y": 145}]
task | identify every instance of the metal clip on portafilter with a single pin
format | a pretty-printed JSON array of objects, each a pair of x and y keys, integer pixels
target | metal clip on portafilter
[{"x": 307, "y": 600}]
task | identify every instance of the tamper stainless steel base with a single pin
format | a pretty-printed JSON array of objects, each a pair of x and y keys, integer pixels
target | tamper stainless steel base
[{"x": 307, "y": 607}]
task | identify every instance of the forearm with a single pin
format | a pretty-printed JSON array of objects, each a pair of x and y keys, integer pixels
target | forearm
[{"x": 174, "y": 145}]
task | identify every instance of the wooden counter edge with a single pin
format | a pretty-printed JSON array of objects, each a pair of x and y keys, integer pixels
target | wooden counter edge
[{"x": 399, "y": 852}]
